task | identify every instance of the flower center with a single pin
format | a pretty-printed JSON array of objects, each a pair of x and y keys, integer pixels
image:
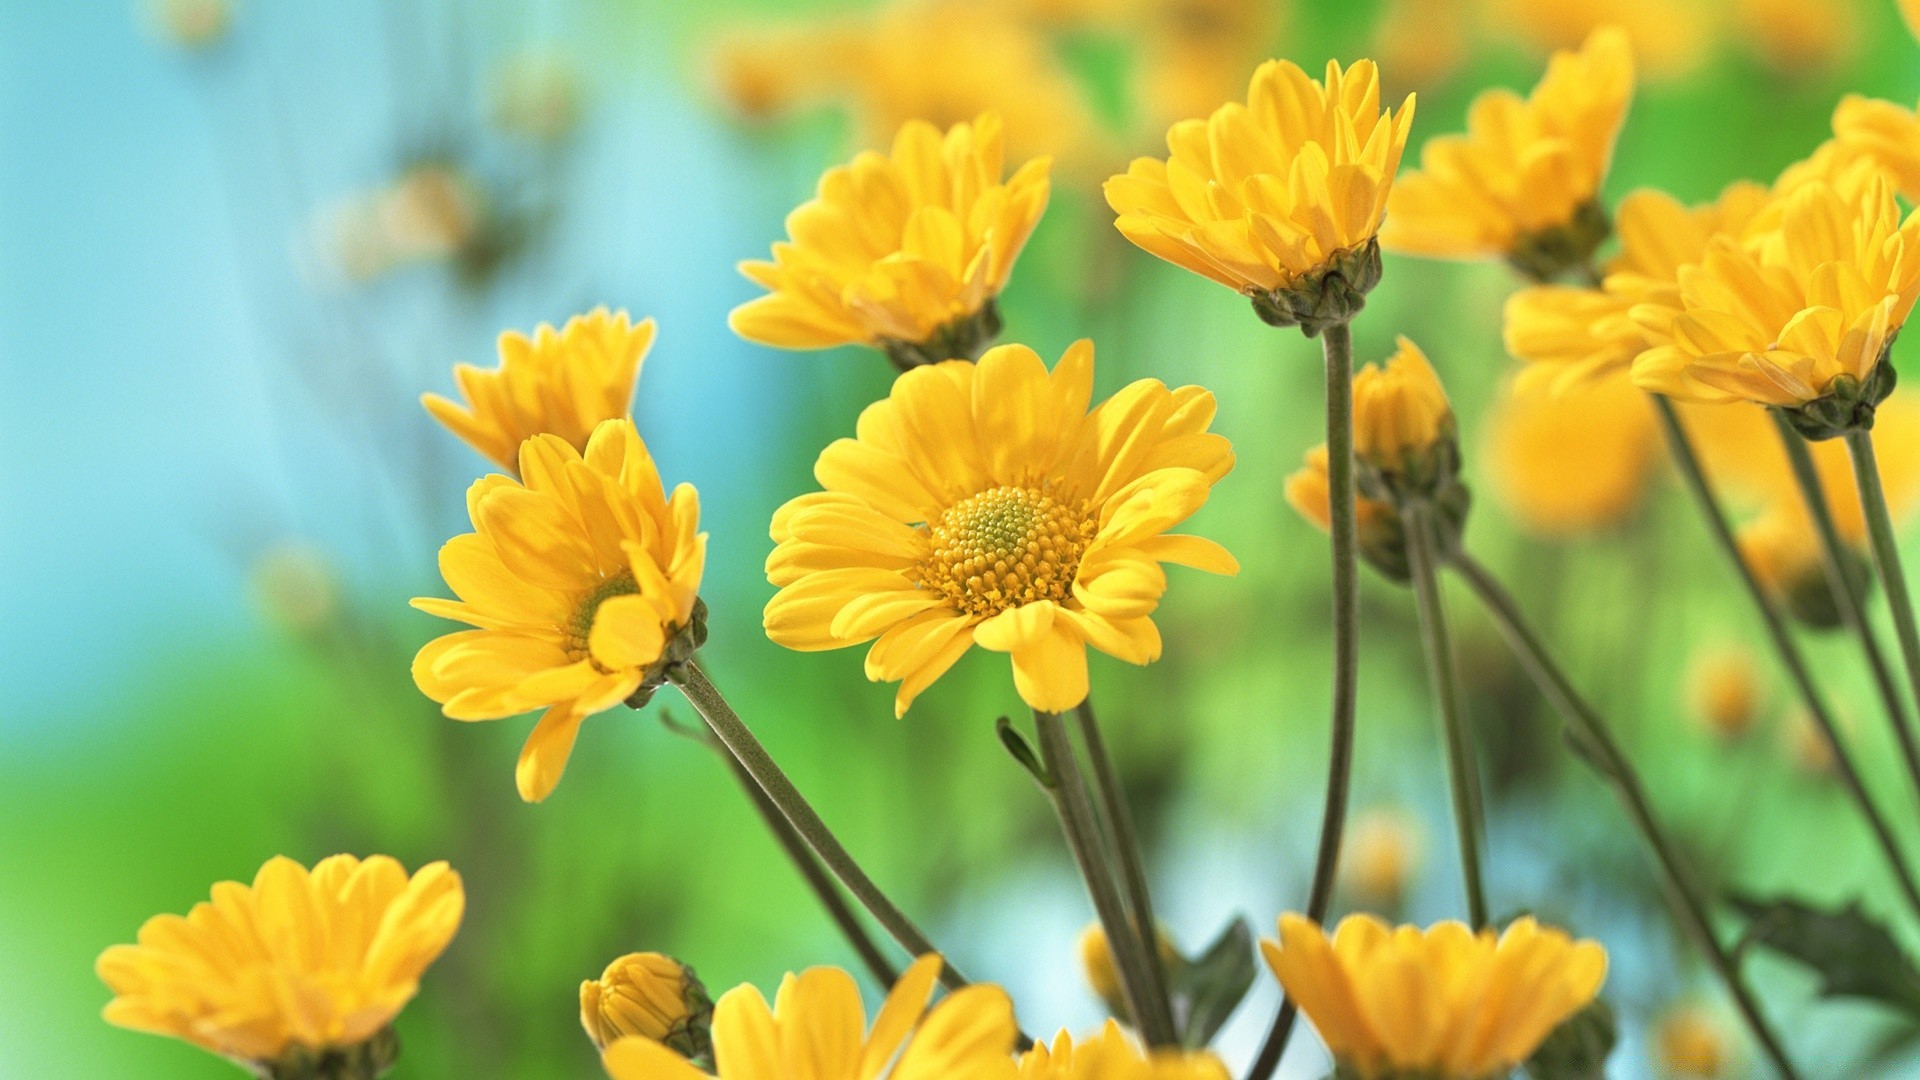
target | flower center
[
  {"x": 1004, "y": 548},
  {"x": 581, "y": 626}
]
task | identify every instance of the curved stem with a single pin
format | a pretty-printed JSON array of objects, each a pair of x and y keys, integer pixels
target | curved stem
[
  {"x": 1337, "y": 343},
  {"x": 1845, "y": 597},
  {"x": 1594, "y": 742},
  {"x": 1886, "y": 550},
  {"x": 1118, "y": 819},
  {"x": 1783, "y": 644},
  {"x": 746, "y": 749},
  {"x": 1463, "y": 773},
  {"x": 805, "y": 861},
  {"x": 1077, "y": 822}
]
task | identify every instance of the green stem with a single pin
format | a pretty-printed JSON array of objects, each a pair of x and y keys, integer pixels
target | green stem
[
  {"x": 1595, "y": 743},
  {"x": 1689, "y": 464},
  {"x": 1845, "y": 596},
  {"x": 746, "y": 749},
  {"x": 1463, "y": 772},
  {"x": 805, "y": 861},
  {"x": 1075, "y": 809},
  {"x": 1337, "y": 343},
  {"x": 1118, "y": 819},
  {"x": 1886, "y": 550}
]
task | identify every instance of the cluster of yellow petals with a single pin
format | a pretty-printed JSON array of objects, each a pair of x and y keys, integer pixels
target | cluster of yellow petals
[
  {"x": 817, "y": 1028},
  {"x": 1400, "y": 410},
  {"x": 897, "y": 246},
  {"x": 640, "y": 994},
  {"x": 1113, "y": 1055},
  {"x": 1308, "y": 492},
  {"x": 1525, "y": 166},
  {"x": 575, "y": 577},
  {"x": 1444, "y": 1002},
  {"x": 1670, "y": 38},
  {"x": 1883, "y": 133},
  {"x": 986, "y": 504},
  {"x": 316, "y": 960},
  {"x": 557, "y": 382},
  {"x": 1566, "y": 462},
  {"x": 1261, "y": 194}
]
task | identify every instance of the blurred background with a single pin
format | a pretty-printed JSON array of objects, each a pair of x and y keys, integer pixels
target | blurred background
[{"x": 238, "y": 240}]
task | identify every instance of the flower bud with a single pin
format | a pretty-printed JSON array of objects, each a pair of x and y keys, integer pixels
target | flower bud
[
  {"x": 1403, "y": 431},
  {"x": 1382, "y": 539},
  {"x": 1383, "y": 854},
  {"x": 1724, "y": 692},
  {"x": 191, "y": 24},
  {"x": 1692, "y": 1042},
  {"x": 1784, "y": 555},
  {"x": 653, "y": 996},
  {"x": 1103, "y": 976}
]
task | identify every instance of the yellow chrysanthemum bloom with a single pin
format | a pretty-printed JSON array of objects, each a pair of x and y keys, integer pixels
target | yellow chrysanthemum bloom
[
  {"x": 1194, "y": 54},
  {"x": 1382, "y": 538},
  {"x": 557, "y": 382},
  {"x": 582, "y": 581},
  {"x": 1799, "y": 39},
  {"x": 298, "y": 968},
  {"x": 1278, "y": 199},
  {"x": 650, "y": 995},
  {"x": 1445, "y": 1002},
  {"x": 1573, "y": 461},
  {"x": 1383, "y": 853},
  {"x": 1523, "y": 182},
  {"x": 903, "y": 252},
  {"x": 1798, "y": 316},
  {"x": 1400, "y": 411},
  {"x": 1910, "y": 11},
  {"x": 1113, "y": 1055},
  {"x": 1692, "y": 1043},
  {"x": 817, "y": 1028},
  {"x": 1103, "y": 974},
  {"x": 984, "y": 504},
  {"x": 1724, "y": 692},
  {"x": 1883, "y": 133},
  {"x": 1670, "y": 38}
]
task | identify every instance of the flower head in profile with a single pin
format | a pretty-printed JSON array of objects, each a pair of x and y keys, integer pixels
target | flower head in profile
[
  {"x": 558, "y": 382},
  {"x": 1575, "y": 460},
  {"x": 903, "y": 251},
  {"x": 1882, "y": 133},
  {"x": 984, "y": 504},
  {"x": 1382, "y": 537},
  {"x": 652, "y": 996},
  {"x": 1800, "y": 317},
  {"x": 817, "y": 1028},
  {"x": 581, "y": 581},
  {"x": 1400, "y": 412},
  {"x": 1443, "y": 1002},
  {"x": 1278, "y": 199},
  {"x": 299, "y": 968},
  {"x": 1114, "y": 1055},
  {"x": 1523, "y": 182}
]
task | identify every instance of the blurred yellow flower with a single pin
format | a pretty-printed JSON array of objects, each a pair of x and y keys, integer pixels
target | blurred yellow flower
[
  {"x": 1103, "y": 977},
  {"x": 1797, "y": 315},
  {"x": 1883, "y": 133},
  {"x": 294, "y": 586},
  {"x": 191, "y": 24},
  {"x": 650, "y": 995},
  {"x": 583, "y": 582},
  {"x": 1272, "y": 197},
  {"x": 1114, "y": 1055},
  {"x": 537, "y": 95},
  {"x": 563, "y": 383},
  {"x": 905, "y": 253},
  {"x": 1799, "y": 39},
  {"x": 1423, "y": 42},
  {"x": 1523, "y": 182},
  {"x": 297, "y": 968},
  {"x": 1670, "y": 38},
  {"x": 1197, "y": 53},
  {"x": 1783, "y": 552},
  {"x": 1444, "y": 1002},
  {"x": 1807, "y": 746},
  {"x": 764, "y": 71},
  {"x": 1910, "y": 11},
  {"x": 1692, "y": 1043},
  {"x": 1574, "y": 461},
  {"x": 1400, "y": 411},
  {"x": 1724, "y": 694},
  {"x": 1382, "y": 539},
  {"x": 1382, "y": 855},
  {"x": 817, "y": 1029},
  {"x": 983, "y": 504}
]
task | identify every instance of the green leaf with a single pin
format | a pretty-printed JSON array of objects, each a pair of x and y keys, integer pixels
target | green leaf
[
  {"x": 1578, "y": 1049},
  {"x": 1853, "y": 955},
  {"x": 1209, "y": 987}
]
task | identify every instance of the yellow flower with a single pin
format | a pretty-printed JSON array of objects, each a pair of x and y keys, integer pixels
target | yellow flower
[
  {"x": 905, "y": 253},
  {"x": 1807, "y": 746},
  {"x": 1574, "y": 461},
  {"x": 983, "y": 504},
  {"x": 1382, "y": 854},
  {"x": 562, "y": 383},
  {"x": 1382, "y": 538},
  {"x": 1882, "y": 133},
  {"x": 191, "y": 24},
  {"x": 1797, "y": 38},
  {"x": 1271, "y": 197},
  {"x": 1669, "y": 37},
  {"x": 583, "y": 584},
  {"x": 650, "y": 995},
  {"x": 294, "y": 967},
  {"x": 1112, "y": 1055},
  {"x": 1197, "y": 53},
  {"x": 1523, "y": 182},
  {"x": 1423, "y": 42},
  {"x": 1910, "y": 11},
  {"x": 1103, "y": 977},
  {"x": 1692, "y": 1042},
  {"x": 1444, "y": 1002},
  {"x": 1724, "y": 692},
  {"x": 1400, "y": 411},
  {"x": 1797, "y": 315},
  {"x": 817, "y": 1029}
]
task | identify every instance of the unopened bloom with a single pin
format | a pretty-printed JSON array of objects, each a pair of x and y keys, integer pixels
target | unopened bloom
[
  {"x": 1278, "y": 199},
  {"x": 1444, "y": 1002},
  {"x": 983, "y": 504},
  {"x": 905, "y": 252},
  {"x": 191, "y": 24},
  {"x": 1566, "y": 462},
  {"x": 817, "y": 1028},
  {"x": 1724, "y": 692},
  {"x": 296, "y": 969},
  {"x": 1114, "y": 1055},
  {"x": 1523, "y": 183},
  {"x": 557, "y": 382},
  {"x": 1382, "y": 855},
  {"x": 1400, "y": 412},
  {"x": 582, "y": 581},
  {"x": 1692, "y": 1044},
  {"x": 653, "y": 996},
  {"x": 1382, "y": 537},
  {"x": 1103, "y": 974},
  {"x": 1799, "y": 318}
]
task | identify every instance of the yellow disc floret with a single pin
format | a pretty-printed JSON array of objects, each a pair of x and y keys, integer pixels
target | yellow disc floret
[{"x": 1005, "y": 547}]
